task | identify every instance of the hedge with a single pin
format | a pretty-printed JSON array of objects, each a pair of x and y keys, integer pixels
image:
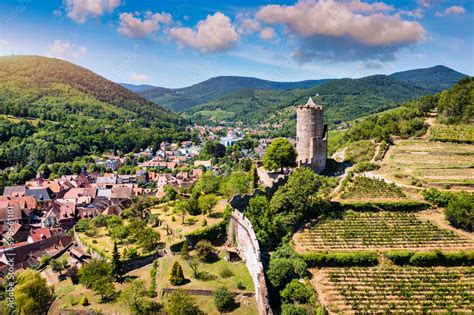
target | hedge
[
  {"x": 409, "y": 205},
  {"x": 176, "y": 247},
  {"x": 340, "y": 259},
  {"x": 432, "y": 258},
  {"x": 213, "y": 233}
]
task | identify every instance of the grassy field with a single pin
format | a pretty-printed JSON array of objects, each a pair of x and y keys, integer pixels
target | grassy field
[
  {"x": 377, "y": 230},
  {"x": 238, "y": 268},
  {"x": 217, "y": 114},
  {"x": 430, "y": 163},
  {"x": 397, "y": 290},
  {"x": 452, "y": 133}
]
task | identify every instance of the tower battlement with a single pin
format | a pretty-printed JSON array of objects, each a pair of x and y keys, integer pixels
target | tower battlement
[{"x": 311, "y": 136}]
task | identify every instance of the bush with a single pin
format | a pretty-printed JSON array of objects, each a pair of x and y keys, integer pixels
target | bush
[
  {"x": 340, "y": 259},
  {"x": 213, "y": 233},
  {"x": 460, "y": 211},
  {"x": 176, "y": 247},
  {"x": 280, "y": 271},
  {"x": 290, "y": 309},
  {"x": 404, "y": 206},
  {"x": 205, "y": 276},
  {"x": 223, "y": 299},
  {"x": 240, "y": 285},
  {"x": 434, "y": 258},
  {"x": 366, "y": 167},
  {"x": 176, "y": 275},
  {"x": 205, "y": 251},
  {"x": 226, "y": 273},
  {"x": 295, "y": 291}
]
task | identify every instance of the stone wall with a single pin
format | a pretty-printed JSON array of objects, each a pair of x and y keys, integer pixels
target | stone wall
[{"x": 241, "y": 233}]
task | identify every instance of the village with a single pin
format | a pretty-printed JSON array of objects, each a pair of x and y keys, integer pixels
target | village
[{"x": 40, "y": 214}]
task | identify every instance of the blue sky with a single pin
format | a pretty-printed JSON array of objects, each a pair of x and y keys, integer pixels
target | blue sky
[{"x": 179, "y": 43}]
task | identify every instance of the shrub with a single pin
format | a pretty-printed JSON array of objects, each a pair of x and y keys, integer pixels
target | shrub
[
  {"x": 434, "y": 258},
  {"x": 226, "y": 273},
  {"x": 176, "y": 275},
  {"x": 295, "y": 291},
  {"x": 290, "y": 309},
  {"x": 280, "y": 271},
  {"x": 223, "y": 299},
  {"x": 205, "y": 276},
  {"x": 205, "y": 251},
  {"x": 240, "y": 285},
  {"x": 460, "y": 211},
  {"x": 366, "y": 167},
  {"x": 399, "y": 257},
  {"x": 181, "y": 303}
]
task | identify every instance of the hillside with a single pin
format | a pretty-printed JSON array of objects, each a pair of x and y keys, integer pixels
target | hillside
[
  {"x": 184, "y": 98},
  {"x": 54, "y": 111},
  {"x": 137, "y": 88},
  {"x": 435, "y": 79},
  {"x": 343, "y": 99}
]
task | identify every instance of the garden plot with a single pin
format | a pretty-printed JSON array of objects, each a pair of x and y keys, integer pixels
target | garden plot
[
  {"x": 397, "y": 290},
  {"x": 377, "y": 230}
]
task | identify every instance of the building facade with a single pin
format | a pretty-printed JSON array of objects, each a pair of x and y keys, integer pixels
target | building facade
[{"x": 311, "y": 136}]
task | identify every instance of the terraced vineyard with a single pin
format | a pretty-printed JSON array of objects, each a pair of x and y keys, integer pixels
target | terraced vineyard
[
  {"x": 377, "y": 230},
  {"x": 396, "y": 290},
  {"x": 452, "y": 133},
  {"x": 363, "y": 187}
]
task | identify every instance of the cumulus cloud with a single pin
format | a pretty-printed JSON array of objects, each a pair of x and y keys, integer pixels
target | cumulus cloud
[
  {"x": 66, "y": 49},
  {"x": 333, "y": 30},
  {"x": 247, "y": 25},
  {"x": 453, "y": 10},
  {"x": 215, "y": 33},
  {"x": 139, "y": 77},
  {"x": 267, "y": 33},
  {"x": 81, "y": 10},
  {"x": 135, "y": 27}
]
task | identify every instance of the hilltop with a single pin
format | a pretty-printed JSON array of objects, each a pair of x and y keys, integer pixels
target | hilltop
[
  {"x": 55, "y": 111},
  {"x": 185, "y": 98}
]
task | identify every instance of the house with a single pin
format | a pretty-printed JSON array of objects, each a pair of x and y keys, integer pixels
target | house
[
  {"x": 121, "y": 196},
  {"x": 18, "y": 233},
  {"x": 112, "y": 164},
  {"x": 42, "y": 195},
  {"x": 197, "y": 172},
  {"x": 14, "y": 191},
  {"x": 206, "y": 164},
  {"x": 40, "y": 234},
  {"x": 14, "y": 214},
  {"x": 62, "y": 213},
  {"x": 79, "y": 254},
  {"x": 106, "y": 181}
]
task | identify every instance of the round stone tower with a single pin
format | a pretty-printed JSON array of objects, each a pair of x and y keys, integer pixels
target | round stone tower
[{"x": 311, "y": 136}]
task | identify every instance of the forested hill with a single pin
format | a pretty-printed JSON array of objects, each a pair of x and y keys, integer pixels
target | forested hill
[
  {"x": 137, "y": 88},
  {"x": 343, "y": 100},
  {"x": 49, "y": 88},
  {"x": 54, "y": 111},
  {"x": 215, "y": 88},
  {"x": 434, "y": 79}
]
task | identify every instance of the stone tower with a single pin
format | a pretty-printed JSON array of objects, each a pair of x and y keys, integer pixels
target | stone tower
[{"x": 311, "y": 136}]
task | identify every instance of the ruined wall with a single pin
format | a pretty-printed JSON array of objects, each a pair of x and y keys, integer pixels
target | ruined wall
[{"x": 241, "y": 233}]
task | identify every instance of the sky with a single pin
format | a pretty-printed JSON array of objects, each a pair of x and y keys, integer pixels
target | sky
[{"x": 183, "y": 42}]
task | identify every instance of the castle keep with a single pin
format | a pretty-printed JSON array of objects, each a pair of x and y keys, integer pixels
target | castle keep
[{"x": 311, "y": 136}]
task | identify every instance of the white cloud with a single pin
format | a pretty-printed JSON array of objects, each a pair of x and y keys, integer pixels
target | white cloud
[
  {"x": 267, "y": 33},
  {"x": 66, "y": 49},
  {"x": 370, "y": 65},
  {"x": 247, "y": 25},
  {"x": 417, "y": 13},
  {"x": 453, "y": 10},
  {"x": 215, "y": 33},
  {"x": 81, "y": 10},
  {"x": 134, "y": 27},
  {"x": 338, "y": 30},
  {"x": 139, "y": 77}
]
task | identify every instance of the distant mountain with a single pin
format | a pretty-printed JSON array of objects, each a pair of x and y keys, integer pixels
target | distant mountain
[
  {"x": 184, "y": 98},
  {"x": 435, "y": 79},
  {"x": 137, "y": 88},
  {"x": 343, "y": 100}
]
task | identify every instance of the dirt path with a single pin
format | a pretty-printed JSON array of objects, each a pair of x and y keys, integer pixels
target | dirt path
[
  {"x": 317, "y": 278},
  {"x": 381, "y": 176},
  {"x": 377, "y": 150}
]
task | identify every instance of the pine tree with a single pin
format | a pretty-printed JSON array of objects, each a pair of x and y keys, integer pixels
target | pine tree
[
  {"x": 117, "y": 268},
  {"x": 176, "y": 275}
]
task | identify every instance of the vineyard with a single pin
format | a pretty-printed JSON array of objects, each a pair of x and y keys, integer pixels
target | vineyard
[
  {"x": 371, "y": 230},
  {"x": 452, "y": 133},
  {"x": 363, "y": 187},
  {"x": 386, "y": 290}
]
